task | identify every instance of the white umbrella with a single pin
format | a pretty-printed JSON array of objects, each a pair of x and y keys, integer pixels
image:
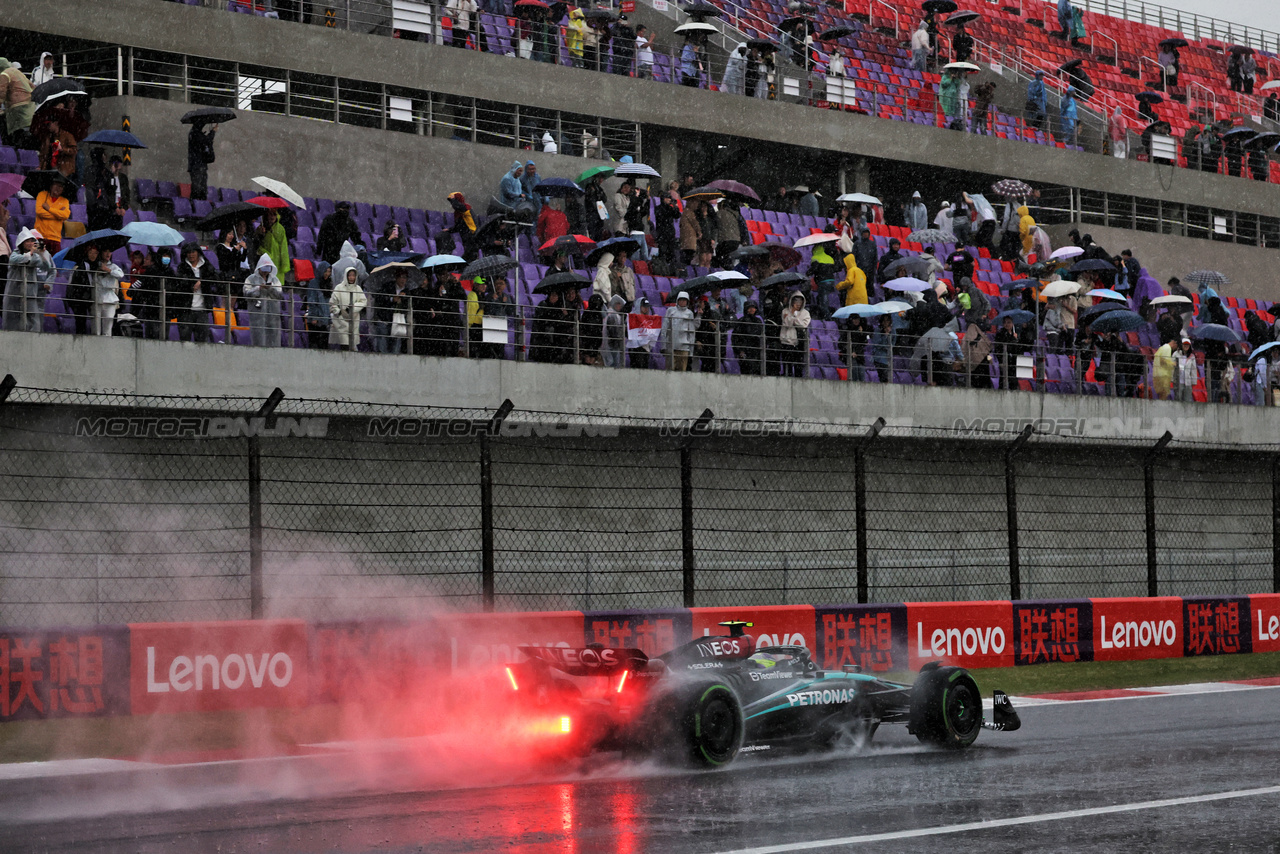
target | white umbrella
[
  {"x": 281, "y": 189},
  {"x": 695, "y": 27},
  {"x": 1271, "y": 84},
  {"x": 816, "y": 238},
  {"x": 960, "y": 66},
  {"x": 858, "y": 199},
  {"x": 729, "y": 276},
  {"x": 907, "y": 283},
  {"x": 893, "y": 306},
  {"x": 1058, "y": 289},
  {"x": 636, "y": 170},
  {"x": 1171, "y": 299},
  {"x": 1067, "y": 252}
]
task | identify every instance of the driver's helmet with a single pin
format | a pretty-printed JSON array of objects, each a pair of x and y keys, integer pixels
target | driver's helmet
[{"x": 766, "y": 659}]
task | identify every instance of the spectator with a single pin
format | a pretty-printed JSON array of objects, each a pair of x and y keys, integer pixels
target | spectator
[
  {"x": 621, "y": 204},
  {"x": 809, "y": 205},
  {"x": 548, "y": 143},
  {"x": 1259, "y": 164},
  {"x": 29, "y": 268},
  {"x": 337, "y": 228},
  {"x": 640, "y": 349},
  {"x": 690, "y": 62},
  {"x": 1271, "y": 107},
  {"x": 986, "y": 228},
  {"x": 795, "y": 337},
  {"x": 144, "y": 296},
  {"x": 1248, "y": 72},
  {"x": 576, "y": 35},
  {"x": 392, "y": 306},
  {"x": 961, "y": 225},
  {"x": 464, "y": 225},
  {"x": 854, "y": 283},
  {"x": 597, "y": 210},
  {"x": 346, "y": 303},
  {"x": 591, "y": 331},
  {"x": 510, "y": 190},
  {"x": 552, "y": 222},
  {"x": 265, "y": 292},
  {"x": 716, "y": 321},
  {"x": 315, "y": 317},
  {"x": 678, "y": 331},
  {"x": 636, "y": 222},
  {"x": 666, "y": 216},
  {"x": 44, "y": 70},
  {"x": 551, "y": 334},
  {"x": 15, "y": 95},
  {"x": 1118, "y": 132},
  {"x": 52, "y": 210},
  {"x": 949, "y": 96},
  {"x": 624, "y": 46},
  {"x": 1055, "y": 328},
  {"x": 781, "y": 201},
  {"x": 189, "y": 299},
  {"x": 822, "y": 270},
  {"x": 883, "y": 342},
  {"x": 1186, "y": 371},
  {"x": 348, "y": 257},
  {"x": 1067, "y": 114},
  {"x": 960, "y": 263},
  {"x": 982, "y": 98},
  {"x": 462, "y": 13},
  {"x": 1064, "y": 18},
  {"x": 273, "y": 242},
  {"x": 920, "y": 47},
  {"x": 80, "y": 297},
  {"x": 614, "y": 343},
  {"x": 106, "y": 294},
  {"x": 894, "y": 253},
  {"x": 478, "y": 303},
  {"x": 199, "y": 155},
  {"x": 109, "y": 198},
  {"x": 529, "y": 181},
  {"x": 1170, "y": 65},
  {"x": 1026, "y": 230},
  {"x": 962, "y": 44},
  {"x": 915, "y": 216},
  {"x": 1010, "y": 344},
  {"x": 690, "y": 232},
  {"x": 973, "y": 302},
  {"x": 392, "y": 240},
  {"x": 233, "y": 260},
  {"x": 1036, "y": 109},
  {"x": 437, "y": 317},
  {"x": 644, "y": 53},
  {"x": 1162, "y": 368},
  {"x": 1257, "y": 331},
  {"x": 1210, "y": 144},
  {"x": 615, "y": 278},
  {"x": 734, "y": 81}
]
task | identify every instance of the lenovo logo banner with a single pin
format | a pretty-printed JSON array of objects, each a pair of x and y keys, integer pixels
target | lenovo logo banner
[
  {"x": 968, "y": 634},
  {"x": 773, "y": 625},
  {"x": 217, "y": 666},
  {"x": 1133, "y": 629},
  {"x": 1264, "y": 615}
]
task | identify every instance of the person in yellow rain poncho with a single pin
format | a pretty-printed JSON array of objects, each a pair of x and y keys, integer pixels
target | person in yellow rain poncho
[
  {"x": 1026, "y": 227},
  {"x": 854, "y": 284}
]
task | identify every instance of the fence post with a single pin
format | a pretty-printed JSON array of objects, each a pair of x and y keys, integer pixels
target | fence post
[
  {"x": 1011, "y": 510},
  {"x": 486, "y": 503},
  {"x": 860, "y": 506},
  {"x": 701, "y": 427},
  {"x": 255, "y": 506},
  {"x": 1275, "y": 522},
  {"x": 1149, "y": 490}
]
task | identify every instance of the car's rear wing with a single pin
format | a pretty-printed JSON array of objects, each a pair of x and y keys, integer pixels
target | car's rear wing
[{"x": 587, "y": 661}]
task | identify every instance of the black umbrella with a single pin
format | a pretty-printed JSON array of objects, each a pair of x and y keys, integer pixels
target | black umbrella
[
  {"x": 1071, "y": 64},
  {"x": 1160, "y": 127},
  {"x": 835, "y": 33},
  {"x": 613, "y": 245},
  {"x": 107, "y": 240},
  {"x": 744, "y": 252},
  {"x": 490, "y": 266},
  {"x": 941, "y": 7},
  {"x": 1149, "y": 98},
  {"x": 58, "y": 87},
  {"x": 600, "y": 15},
  {"x": 380, "y": 277},
  {"x": 962, "y": 18},
  {"x": 558, "y": 187},
  {"x": 1208, "y": 278},
  {"x": 795, "y": 21},
  {"x": 762, "y": 44},
  {"x": 562, "y": 281},
  {"x": 700, "y": 285},
  {"x": 909, "y": 265},
  {"x": 1240, "y": 48},
  {"x": 1264, "y": 140},
  {"x": 1174, "y": 42},
  {"x": 1091, "y": 314},
  {"x": 783, "y": 279},
  {"x": 734, "y": 188},
  {"x": 229, "y": 215},
  {"x": 37, "y": 182},
  {"x": 208, "y": 115},
  {"x": 1240, "y": 132},
  {"x": 1092, "y": 265},
  {"x": 1216, "y": 332},
  {"x": 698, "y": 11},
  {"x": 1121, "y": 320}
]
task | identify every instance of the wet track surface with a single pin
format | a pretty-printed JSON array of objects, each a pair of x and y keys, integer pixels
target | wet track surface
[{"x": 1069, "y": 758}]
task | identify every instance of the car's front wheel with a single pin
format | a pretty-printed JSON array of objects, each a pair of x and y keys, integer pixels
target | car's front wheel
[{"x": 946, "y": 708}]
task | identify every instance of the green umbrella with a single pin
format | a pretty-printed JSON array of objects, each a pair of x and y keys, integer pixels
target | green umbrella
[{"x": 590, "y": 174}]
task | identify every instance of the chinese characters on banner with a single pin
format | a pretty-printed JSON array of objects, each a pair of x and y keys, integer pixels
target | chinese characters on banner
[
  {"x": 1052, "y": 631},
  {"x": 871, "y": 636},
  {"x": 653, "y": 632},
  {"x": 54, "y": 673},
  {"x": 1216, "y": 626}
]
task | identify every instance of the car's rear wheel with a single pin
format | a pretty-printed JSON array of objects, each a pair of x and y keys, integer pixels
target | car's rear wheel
[
  {"x": 946, "y": 708},
  {"x": 712, "y": 725}
]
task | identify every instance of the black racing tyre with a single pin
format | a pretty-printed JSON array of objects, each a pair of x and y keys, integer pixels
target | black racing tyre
[
  {"x": 946, "y": 708},
  {"x": 711, "y": 725}
]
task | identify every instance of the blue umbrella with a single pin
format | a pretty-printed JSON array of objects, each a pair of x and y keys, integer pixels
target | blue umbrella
[
  {"x": 1263, "y": 349},
  {"x": 1118, "y": 321},
  {"x": 1018, "y": 316},
  {"x": 1105, "y": 293},
  {"x": 1216, "y": 332},
  {"x": 115, "y": 137},
  {"x": 907, "y": 283},
  {"x": 442, "y": 261},
  {"x": 1019, "y": 284},
  {"x": 613, "y": 245},
  {"x": 860, "y": 310},
  {"x": 152, "y": 234},
  {"x": 106, "y": 239},
  {"x": 1092, "y": 265},
  {"x": 558, "y": 187}
]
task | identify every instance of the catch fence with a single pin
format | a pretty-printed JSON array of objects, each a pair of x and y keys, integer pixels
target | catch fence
[{"x": 184, "y": 509}]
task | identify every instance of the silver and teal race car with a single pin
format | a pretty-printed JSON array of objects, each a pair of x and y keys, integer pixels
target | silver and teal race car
[{"x": 707, "y": 701}]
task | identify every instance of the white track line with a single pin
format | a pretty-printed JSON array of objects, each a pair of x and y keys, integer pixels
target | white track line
[
  {"x": 1006, "y": 822},
  {"x": 1187, "y": 690}
]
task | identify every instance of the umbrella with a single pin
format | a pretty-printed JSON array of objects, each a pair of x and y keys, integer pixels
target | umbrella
[
  {"x": 858, "y": 199},
  {"x": 960, "y": 66},
  {"x": 229, "y": 214},
  {"x": 962, "y": 18},
  {"x": 1121, "y": 320},
  {"x": 800, "y": 188},
  {"x": 272, "y": 202},
  {"x": 557, "y": 187},
  {"x": 783, "y": 279},
  {"x": 1017, "y": 315},
  {"x": 1171, "y": 299},
  {"x": 814, "y": 239},
  {"x": 1019, "y": 284},
  {"x": 574, "y": 244},
  {"x": 529, "y": 8},
  {"x": 1071, "y": 65},
  {"x": 614, "y": 245},
  {"x": 58, "y": 87},
  {"x": 702, "y": 193},
  {"x": 380, "y": 277},
  {"x": 859, "y": 310},
  {"x": 600, "y": 15},
  {"x": 936, "y": 339},
  {"x": 762, "y": 44},
  {"x": 1011, "y": 187},
  {"x": 743, "y": 252},
  {"x": 1271, "y": 84},
  {"x": 562, "y": 281},
  {"x": 695, "y": 27},
  {"x": 1216, "y": 332},
  {"x": 489, "y": 266},
  {"x": 1263, "y": 349},
  {"x": 10, "y": 184},
  {"x": 115, "y": 137},
  {"x": 931, "y": 235},
  {"x": 892, "y": 306},
  {"x": 941, "y": 7},
  {"x": 1240, "y": 131},
  {"x": 783, "y": 255},
  {"x": 37, "y": 182},
  {"x": 907, "y": 283},
  {"x": 281, "y": 189},
  {"x": 908, "y": 265},
  {"x": 1208, "y": 278},
  {"x": 1264, "y": 140},
  {"x": 1106, "y": 293},
  {"x": 443, "y": 260},
  {"x": 638, "y": 170},
  {"x": 734, "y": 188},
  {"x": 700, "y": 285},
  {"x": 590, "y": 173},
  {"x": 106, "y": 239},
  {"x": 152, "y": 234},
  {"x": 729, "y": 276},
  {"x": 702, "y": 10},
  {"x": 1058, "y": 289},
  {"x": 835, "y": 33},
  {"x": 795, "y": 21},
  {"x": 1149, "y": 98},
  {"x": 208, "y": 115},
  {"x": 1091, "y": 265},
  {"x": 1240, "y": 48},
  {"x": 1066, "y": 252},
  {"x": 1174, "y": 42},
  {"x": 1160, "y": 126}
]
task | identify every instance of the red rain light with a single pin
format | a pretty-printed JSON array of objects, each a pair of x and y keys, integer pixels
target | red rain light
[
  {"x": 623, "y": 680},
  {"x": 511, "y": 676},
  {"x": 566, "y": 725}
]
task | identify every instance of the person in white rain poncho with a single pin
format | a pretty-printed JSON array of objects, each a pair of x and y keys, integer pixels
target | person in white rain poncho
[
  {"x": 345, "y": 304},
  {"x": 735, "y": 71},
  {"x": 30, "y": 267},
  {"x": 264, "y": 292},
  {"x": 106, "y": 293}
]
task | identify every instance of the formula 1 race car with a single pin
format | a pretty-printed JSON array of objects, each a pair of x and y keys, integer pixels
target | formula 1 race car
[{"x": 706, "y": 701}]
